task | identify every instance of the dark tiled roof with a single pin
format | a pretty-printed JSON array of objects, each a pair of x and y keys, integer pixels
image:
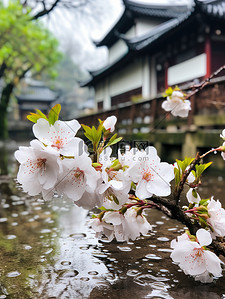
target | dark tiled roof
[
  {"x": 98, "y": 74},
  {"x": 214, "y": 8},
  {"x": 154, "y": 10},
  {"x": 139, "y": 43},
  {"x": 132, "y": 10},
  {"x": 37, "y": 92}
]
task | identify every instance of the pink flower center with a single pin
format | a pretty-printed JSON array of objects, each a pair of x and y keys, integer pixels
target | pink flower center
[
  {"x": 78, "y": 175},
  {"x": 198, "y": 252},
  {"x": 58, "y": 143},
  {"x": 34, "y": 166},
  {"x": 40, "y": 162},
  {"x": 147, "y": 176}
]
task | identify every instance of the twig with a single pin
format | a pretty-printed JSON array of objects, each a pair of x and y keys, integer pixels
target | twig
[
  {"x": 180, "y": 187},
  {"x": 205, "y": 82}
]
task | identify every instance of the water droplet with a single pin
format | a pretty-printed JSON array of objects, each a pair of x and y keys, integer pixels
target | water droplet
[
  {"x": 172, "y": 229},
  {"x": 24, "y": 213},
  {"x": 165, "y": 250},
  {"x": 124, "y": 248},
  {"x": 164, "y": 270},
  {"x": 17, "y": 203},
  {"x": 13, "y": 274},
  {"x": 99, "y": 255},
  {"x": 159, "y": 222},
  {"x": 15, "y": 198},
  {"x": 3, "y": 296},
  {"x": 49, "y": 251},
  {"x": 133, "y": 272},
  {"x": 3, "y": 219},
  {"x": 14, "y": 223},
  {"x": 84, "y": 278},
  {"x": 10, "y": 237},
  {"x": 45, "y": 231},
  {"x": 67, "y": 273},
  {"x": 27, "y": 247},
  {"x": 163, "y": 239},
  {"x": 5, "y": 206},
  {"x": 65, "y": 263},
  {"x": 78, "y": 236},
  {"x": 152, "y": 256},
  {"x": 149, "y": 279},
  {"x": 85, "y": 247},
  {"x": 37, "y": 208},
  {"x": 93, "y": 273}
]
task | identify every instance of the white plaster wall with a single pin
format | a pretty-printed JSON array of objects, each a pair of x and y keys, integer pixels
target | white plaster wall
[
  {"x": 145, "y": 25},
  {"x": 130, "y": 77},
  {"x": 99, "y": 92},
  {"x": 117, "y": 50},
  {"x": 146, "y": 77},
  {"x": 131, "y": 32},
  {"x": 187, "y": 70}
]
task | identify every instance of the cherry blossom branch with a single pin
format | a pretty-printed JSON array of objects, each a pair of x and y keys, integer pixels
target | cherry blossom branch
[
  {"x": 205, "y": 82},
  {"x": 179, "y": 189},
  {"x": 175, "y": 212},
  {"x": 220, "y": 148}
]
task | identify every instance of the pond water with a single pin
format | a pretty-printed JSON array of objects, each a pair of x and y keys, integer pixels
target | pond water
[{"x": 47, "y": 250}]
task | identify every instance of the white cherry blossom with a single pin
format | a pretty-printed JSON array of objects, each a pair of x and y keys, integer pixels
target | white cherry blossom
[
  {"x": 109, "y": 123},
  {"x": 177, "y": 104},
  {"x": 102, "y": 228},
  {"x": 39, "y": 168},
  {"x": 223, "y": 153},
  {"x": 216, "y": 218},
  {"x": 89, "y": 200},
  {"x": 151, "y": 175},
  {"x": 105, "y": 157},
  {"x": 127, "y": 226},
  {"x": 78, "y": 176},
  {"x": 223, "y": 134},
  {"x": 191, "y": 196},
  {"x": 60, "y": 136},
  {"x": 194, "y": 259}
]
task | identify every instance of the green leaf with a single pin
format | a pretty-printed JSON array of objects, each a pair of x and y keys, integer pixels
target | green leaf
[
  {"x": 33, "y": 117},
  {"x": 88, "y": 132},
  {"x": 53, "y": 115},
  {"x": 204, "y": 202},
  {"x": 194, "y": 193},
  {"x": 114, "y": 141},
  {"x": 41, "y": 114},
  {"x": 201, "y": 168},
  {"x": 177, "y": 176}
]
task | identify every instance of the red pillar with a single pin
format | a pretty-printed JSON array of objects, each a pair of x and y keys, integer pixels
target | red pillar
[{"x": 208, "y": 53}]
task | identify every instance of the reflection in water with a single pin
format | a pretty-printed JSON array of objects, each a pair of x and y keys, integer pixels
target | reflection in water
[{"x": 47, "y": 250}]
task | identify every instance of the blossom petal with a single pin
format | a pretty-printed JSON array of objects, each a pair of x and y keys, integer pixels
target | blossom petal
[
  {"x": 213, "y": 263},
  {"x": 204, "y": 237}
]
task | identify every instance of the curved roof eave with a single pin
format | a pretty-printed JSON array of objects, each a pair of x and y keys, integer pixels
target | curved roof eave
[
  {"x": 139, "y": 9},
  {"x": 99, "y": 74}
]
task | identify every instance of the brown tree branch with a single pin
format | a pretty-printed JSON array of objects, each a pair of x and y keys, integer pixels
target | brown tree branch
[
  {"x": 180, "y": 187},
  {"x": 45, "y": 11},
  {"x": 199, "y": 87}
]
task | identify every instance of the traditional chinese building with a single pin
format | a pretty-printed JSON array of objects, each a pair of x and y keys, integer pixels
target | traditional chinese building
[
  {"x": 150, "y": 48},
  {"x": 155, "y": 46},
  {"x": 35, "y": 95}
]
